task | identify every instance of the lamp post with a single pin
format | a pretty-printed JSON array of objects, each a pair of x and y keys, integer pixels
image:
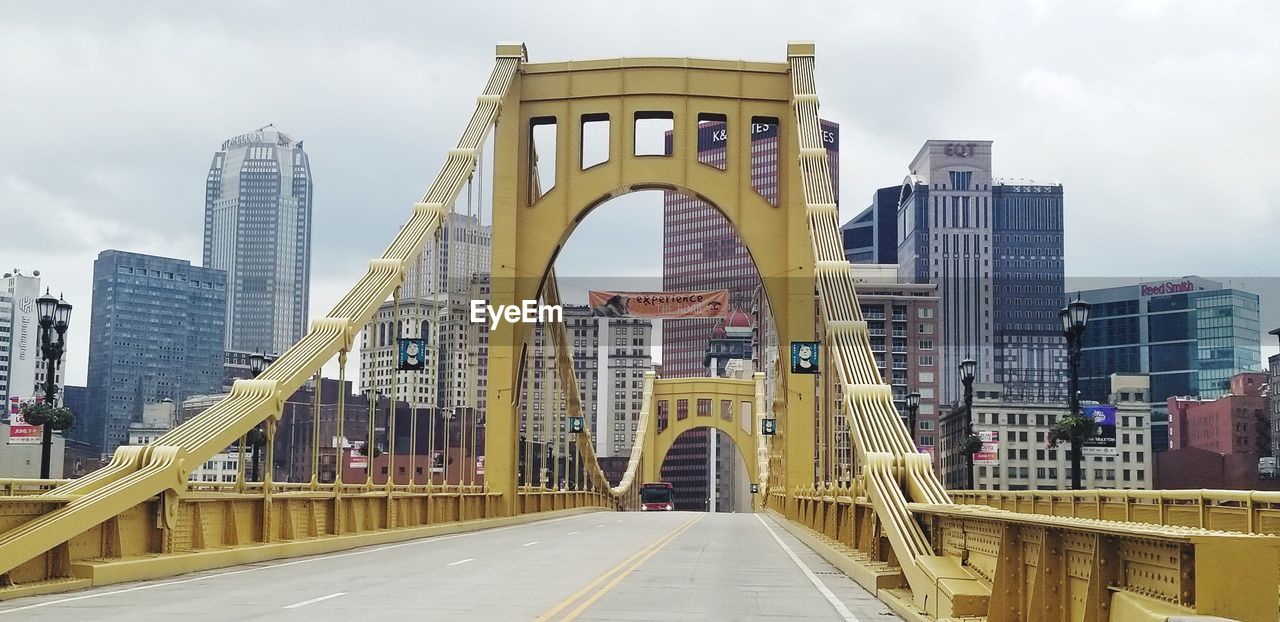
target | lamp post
[
  {"x": 913, "y": 408},
  {"x": 55, "y": 315},
  {"x": 1074, "y": 318},
  {"x": 256, "y": 437},
  {"x": 968, "y": 369}
]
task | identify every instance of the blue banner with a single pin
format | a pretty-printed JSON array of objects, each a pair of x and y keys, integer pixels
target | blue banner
[{"x": 1104, "y": 443}]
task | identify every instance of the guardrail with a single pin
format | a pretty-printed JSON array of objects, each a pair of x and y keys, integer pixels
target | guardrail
[
  {"x": 17, "y": 487},
  {"x": 1244, "y": 511}
]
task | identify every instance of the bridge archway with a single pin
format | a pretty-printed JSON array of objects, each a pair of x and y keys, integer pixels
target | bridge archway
[
  {"x": 531, "y": 222},
  {"x": 727, "y": 405}
]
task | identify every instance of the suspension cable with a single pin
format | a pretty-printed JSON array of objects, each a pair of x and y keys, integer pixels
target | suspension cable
[
  {"x": 339, "y": 461},
  {"x": 315, "y": 433},
  {"x": 469, "y": 406},
  {"x": 437, "y": 361},
  {"x": 398, "y": 323},
  {"x": 369, "y": 444},
  {"x": 413, "y": 377}
]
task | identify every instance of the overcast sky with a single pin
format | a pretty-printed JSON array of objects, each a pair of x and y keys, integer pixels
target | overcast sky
[{"x": 1159, "y": 117}]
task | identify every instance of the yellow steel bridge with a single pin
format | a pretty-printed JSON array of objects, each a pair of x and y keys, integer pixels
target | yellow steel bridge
[{"x": 887, "y": 522}]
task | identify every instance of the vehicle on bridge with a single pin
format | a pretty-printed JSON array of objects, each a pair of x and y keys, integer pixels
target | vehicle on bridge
[{"x": 657, "y": 496}]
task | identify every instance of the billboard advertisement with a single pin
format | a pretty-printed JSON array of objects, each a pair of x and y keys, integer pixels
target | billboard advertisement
[
  {"x": 358, "y": 459},
  {"x": 990, "y": 452},
  {"x": 1104, "y": 444},
  {"x": 19, "y": 432},
  {"x": 710, "y": 303},
  {"x": 24, "y": 341}
]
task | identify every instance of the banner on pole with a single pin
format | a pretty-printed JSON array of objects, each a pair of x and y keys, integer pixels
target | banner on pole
[
  {"x": 20, "y": 432},
  {"x": 990, "y": 452},
  {"x": 1104, "y": 443}
]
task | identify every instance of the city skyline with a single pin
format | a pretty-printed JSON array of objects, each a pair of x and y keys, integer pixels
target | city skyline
[{"x": 1051, "y": 106}]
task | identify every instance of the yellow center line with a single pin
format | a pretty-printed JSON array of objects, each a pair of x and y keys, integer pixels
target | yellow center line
[
  {"x": 621, "y": 565},
  {"x": 572, "y": 615}
]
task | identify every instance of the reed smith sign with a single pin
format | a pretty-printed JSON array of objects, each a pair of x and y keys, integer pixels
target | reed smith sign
[{"x": 1166, "y": 287}]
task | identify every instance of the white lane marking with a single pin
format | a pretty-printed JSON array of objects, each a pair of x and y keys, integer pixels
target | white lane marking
[
  {"x": 529, "y": 543},
  {"x": 599, "y": 525},
  {"x": 813, "y": 578},
  {"x": 315, "y": 600},
  {"x": 461, "y": 561},
  {"x": 573, "y": 533},
  {"x": 308, "y": 560}
]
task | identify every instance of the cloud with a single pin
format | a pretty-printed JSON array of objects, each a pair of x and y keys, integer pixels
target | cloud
[{"x": 1155, "y": 115}]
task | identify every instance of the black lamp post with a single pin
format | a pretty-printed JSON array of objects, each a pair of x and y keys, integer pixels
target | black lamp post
[
  {"x": 55, "y": 315},
  {"x": 913, "y": 408},
  {"x": 256, "y": 438},
  {"x": 1074, "y": 318},
  {"x": 257, "y": 363},
  {"x": 968, "y": 369}
]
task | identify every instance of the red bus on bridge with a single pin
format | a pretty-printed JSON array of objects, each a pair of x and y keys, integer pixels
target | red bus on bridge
[{"x": 657, "y": 496}]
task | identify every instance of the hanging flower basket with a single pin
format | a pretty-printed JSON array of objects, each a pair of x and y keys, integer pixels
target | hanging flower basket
[
  {"x": 970, "y": 445},
  {"x": 56, "y": 417},
  {"x": 1072, "y": 428}
]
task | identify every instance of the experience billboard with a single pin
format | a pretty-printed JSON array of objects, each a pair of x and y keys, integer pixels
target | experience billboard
[{"x": 654, "y": 305}]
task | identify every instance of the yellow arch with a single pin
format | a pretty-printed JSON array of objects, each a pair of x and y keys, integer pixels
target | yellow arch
[
  {"x": 529, "y": 230},
  {"x": 730, "y": 405}
]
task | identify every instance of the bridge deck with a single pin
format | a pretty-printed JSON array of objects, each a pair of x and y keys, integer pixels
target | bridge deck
[{"x": 613, "y": 566}]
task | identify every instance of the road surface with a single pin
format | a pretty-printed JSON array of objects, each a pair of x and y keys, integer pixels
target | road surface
[{"x": 593, "y": 567}]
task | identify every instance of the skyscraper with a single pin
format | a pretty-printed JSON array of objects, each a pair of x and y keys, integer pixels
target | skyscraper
[
  {"x": 872, "y": 236},
  {"x": 701, "y": 250},
  {"x": 1028, "y": 279},
  {"x": 1190, "y": 334},
  {"x": 257, "y": 228},
  {"x": 434, "y": 304},
  {"x": 156, "y": 331},
  {"x": 994, "y": 248},
  {"x": 612, "y": 394}
]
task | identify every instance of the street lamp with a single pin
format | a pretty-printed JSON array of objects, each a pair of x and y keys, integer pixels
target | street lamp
[
  {"x": 256, "y": 438},
  {"x": 1074, "y": 318},
  {"x": 913, "y": 408},
  {"x": 968, "y": 369},
  {"x": 257, "y": 364},
  {"x": 55, "y": 315}
]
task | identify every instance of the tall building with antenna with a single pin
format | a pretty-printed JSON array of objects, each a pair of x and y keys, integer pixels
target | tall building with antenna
[{"x": 257, "y": 228}]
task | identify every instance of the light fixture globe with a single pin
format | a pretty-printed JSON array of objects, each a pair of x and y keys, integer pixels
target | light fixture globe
[
  {"x": 1078, "y": 310},
  {"x": 62, "y": 313},
  {"x": 257, "y": 363},
  {"x": 46, "y": 306}
]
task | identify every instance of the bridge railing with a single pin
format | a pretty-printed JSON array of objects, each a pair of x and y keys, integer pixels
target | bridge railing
[
  {"x": 17, "y": 487},
  {"x": 1244, "y": 511}
]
